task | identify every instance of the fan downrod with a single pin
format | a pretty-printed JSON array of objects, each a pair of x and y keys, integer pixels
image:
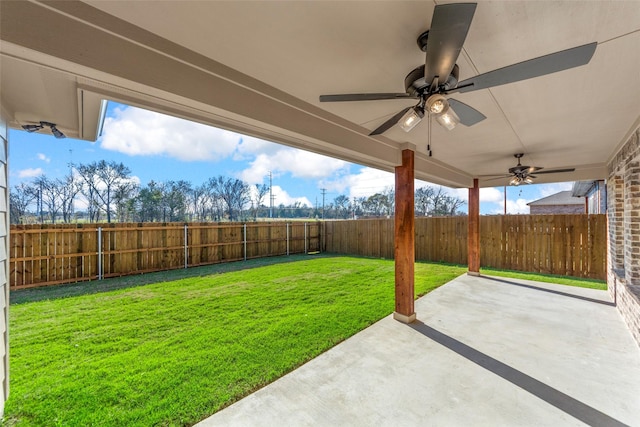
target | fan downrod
[
  {"x": 422, "y": 41},
  {"x": 518, "y": 156}
]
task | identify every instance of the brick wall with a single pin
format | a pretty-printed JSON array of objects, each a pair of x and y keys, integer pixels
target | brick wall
[
  {"x": 623, "y": 193},
  {"x": 556, "y": 209}
]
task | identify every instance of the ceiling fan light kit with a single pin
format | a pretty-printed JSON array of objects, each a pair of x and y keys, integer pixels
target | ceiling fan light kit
[
  {"x": 439, "y": 76},
  {"x": 448, "y": 119},
  {"x": 411, "y": 118},
  {"x": 437, "y": 104}
]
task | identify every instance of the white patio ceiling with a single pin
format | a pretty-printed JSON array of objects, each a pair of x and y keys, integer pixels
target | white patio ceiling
[{"x": 259, "y": 67}]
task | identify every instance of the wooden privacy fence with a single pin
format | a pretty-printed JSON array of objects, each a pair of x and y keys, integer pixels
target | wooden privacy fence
[
  {"x": 53, "y": 254},
  {"x": 571, "y": 245}
]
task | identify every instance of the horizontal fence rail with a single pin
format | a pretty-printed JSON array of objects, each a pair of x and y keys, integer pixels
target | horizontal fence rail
[
  {"x": 571, "y": 245},
  {"x": 42, "y": 255}
]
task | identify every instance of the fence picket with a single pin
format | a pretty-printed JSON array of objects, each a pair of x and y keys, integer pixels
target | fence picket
[
  {"x": 553, "y": 244},
  {"x": 45, "y": 254}
]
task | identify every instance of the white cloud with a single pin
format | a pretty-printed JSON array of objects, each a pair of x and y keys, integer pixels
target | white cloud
[
  {"x": 366, "y": 182},
  {"x": 518, "y": 206},
  {"x": 138, "y": 132},
  {"x": 496, "y": 195},
  {"x": 492, "y": 195},
  {"x": 299, "y": 163},
  {"x": 549, "y": 189},
  {"x": 30, "y": 172},
  {"x": 250, "y": 146},
  {"x": 281, "y": 197},
  {"x": 44, "y": 158}
]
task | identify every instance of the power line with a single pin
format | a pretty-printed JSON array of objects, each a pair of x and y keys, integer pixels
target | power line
[{"x": 324, "y": 191}]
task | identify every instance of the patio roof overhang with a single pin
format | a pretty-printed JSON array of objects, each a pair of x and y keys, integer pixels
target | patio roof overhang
[{"x": 259, "y": 67}]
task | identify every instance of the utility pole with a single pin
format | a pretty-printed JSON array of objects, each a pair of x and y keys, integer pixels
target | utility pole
[
  {"x": 270, "y": 195},
  {"x": 324, "y": 191}
]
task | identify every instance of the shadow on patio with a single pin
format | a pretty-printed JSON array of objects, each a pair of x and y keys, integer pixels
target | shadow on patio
[{"x": 484, "y": 351}]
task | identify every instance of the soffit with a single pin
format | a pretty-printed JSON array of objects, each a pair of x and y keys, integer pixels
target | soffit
[{"x": 300, "y": 50}]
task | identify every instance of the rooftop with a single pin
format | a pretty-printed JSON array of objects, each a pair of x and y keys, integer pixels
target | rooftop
[{"x": 560, "y": 198}]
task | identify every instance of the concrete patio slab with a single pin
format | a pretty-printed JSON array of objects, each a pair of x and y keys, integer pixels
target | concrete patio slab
[{"x": 485, "y": 351}]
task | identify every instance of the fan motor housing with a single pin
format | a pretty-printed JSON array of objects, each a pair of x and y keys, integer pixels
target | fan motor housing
[{"x": 415, "y": 84}]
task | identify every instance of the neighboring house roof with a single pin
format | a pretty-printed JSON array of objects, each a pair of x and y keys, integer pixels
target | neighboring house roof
[{"x": 561, "y": 198}]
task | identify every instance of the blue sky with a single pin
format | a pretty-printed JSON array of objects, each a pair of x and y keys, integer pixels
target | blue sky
[{"x": 161, "y": 148}]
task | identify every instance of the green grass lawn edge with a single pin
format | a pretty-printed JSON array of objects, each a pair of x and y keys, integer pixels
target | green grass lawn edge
[
  {"x": 547, "y": 278},
  {"x": 96, "y": 286}
]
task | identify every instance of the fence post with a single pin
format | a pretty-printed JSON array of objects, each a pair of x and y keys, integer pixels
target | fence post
[
  {"x": 99, "y": 253},
  {"x": 287, "y": 239},
  {"x": 245, "y": 241},
  {"x": 186, "y": 247},
  {"x": 305, "y": 238}
]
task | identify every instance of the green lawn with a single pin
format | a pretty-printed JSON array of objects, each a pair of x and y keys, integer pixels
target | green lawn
[
  {"x": 548, "y": 278},
  {"x": 173, "y": 352}
]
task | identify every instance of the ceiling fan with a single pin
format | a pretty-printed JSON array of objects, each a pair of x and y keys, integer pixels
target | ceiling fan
[
  {"x": 521, "y": 174},
  {"x": 429, "y": 83},
  {"x": 36, "y": 127}
]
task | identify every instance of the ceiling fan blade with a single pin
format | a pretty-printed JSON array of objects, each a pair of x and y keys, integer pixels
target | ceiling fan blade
[
  {"x": 363, "y": 97},
  {"x": 536, "y": 67},
  {"x": 556, "y": 171},
  {"x": 497, "y": 177},
  {"x": 449, "y": 27},
  {"x": 468, "y": 115},
  {"x": 389, "y": 123},
  {"x": 533, "y": 169}
]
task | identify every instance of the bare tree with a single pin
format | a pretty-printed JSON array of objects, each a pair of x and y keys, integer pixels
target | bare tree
[
  {"x": 342, "y": 206},
  {"x": 390, "y": 193},
  {"x": 69, "y": 189},
  {"x": 424, "y": 200},
  {"x": 258, "y": 196},
  {"x": 432, "y": 201},
  {"x": 50, "y": 196},
  {"x": 233, "y": 192},
  {"x": 20, "y": 198},
  {"x": 104, "y": 179},
  {"x": 88, "y": 190}
]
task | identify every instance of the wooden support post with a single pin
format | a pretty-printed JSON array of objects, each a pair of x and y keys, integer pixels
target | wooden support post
[
  {"x": 473, "y": 237},
  {"x": 404, "y": 239}
]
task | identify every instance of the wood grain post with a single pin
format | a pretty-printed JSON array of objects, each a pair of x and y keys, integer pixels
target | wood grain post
[
  {"x": 404, "y": 241},
  {"x": 474, "y": 230}
]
